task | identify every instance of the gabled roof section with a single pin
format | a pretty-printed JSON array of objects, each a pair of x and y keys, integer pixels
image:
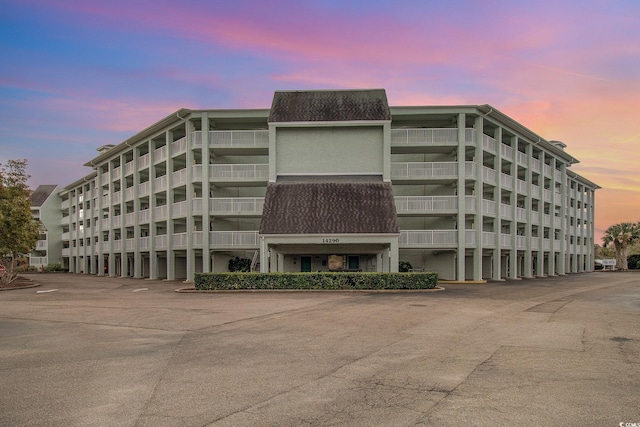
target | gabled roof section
[
  {"x": 41, "y": 194},
  {"x": 339, "y": 206},
  {"x": 329, "y": 106}
]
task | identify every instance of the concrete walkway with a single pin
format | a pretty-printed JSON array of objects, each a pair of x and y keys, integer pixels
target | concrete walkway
[{"x": 122, "y": 352}]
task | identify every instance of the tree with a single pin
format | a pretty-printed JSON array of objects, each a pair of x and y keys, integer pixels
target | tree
[
  {"x": 621, "y": 235},
  {"x": 18, "y": 230}
]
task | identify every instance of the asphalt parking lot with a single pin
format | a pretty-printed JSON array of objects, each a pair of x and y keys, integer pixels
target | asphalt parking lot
[{"x": 91, "y": 351}]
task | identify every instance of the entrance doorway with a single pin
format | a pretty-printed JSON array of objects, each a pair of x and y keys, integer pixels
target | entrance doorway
[
  {"x": 353, "y": 262},
  {"x": 305, "y": 264}
]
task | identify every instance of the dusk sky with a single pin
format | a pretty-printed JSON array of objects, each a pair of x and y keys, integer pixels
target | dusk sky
[{"x": 78, "y": 74}]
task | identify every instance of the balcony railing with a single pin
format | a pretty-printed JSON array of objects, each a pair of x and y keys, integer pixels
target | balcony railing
[
  {"x": 161, "y": 212},
  {"x": 426, "y": 204},
  {"x": 160, "y": 154},
  {"x": 144, "y": 188},
  {"x": 179, "y": 240},
  {"x": 239, "y": 138},
  {"x": 143, "y": 161},
  {"x": 506, "y": 151},
  {"x": 128, "y": 168},
  {"x": 406, "y": 137},
  {"x": 179, "y": 177},
  {"x": 233, "y": 239},
  {"x": 38, "y": 261},
  {"x": 239, "y": 172},
  {"x": 179, "y": 146},
  {"x": 160, "y": 183},
  {"x": 232, "y": 206},
  {"x": 428, "y": 238},
  {"x": 179, "y": 209},
  {"x": 144, "y": 243},
  {"x": 489, "y": 144},
  {"x": 161, "y": 241},
  {"x": 424, "y": 170}
]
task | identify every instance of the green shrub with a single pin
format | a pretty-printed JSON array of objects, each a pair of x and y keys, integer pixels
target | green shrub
[
  {"x": 325, "y": 280},
  {"x": 404, "y": 266},
  {"x": 240, "y": 264},
  {"x": 53, "y": 267},
  {"x": 633, "y": 262}
]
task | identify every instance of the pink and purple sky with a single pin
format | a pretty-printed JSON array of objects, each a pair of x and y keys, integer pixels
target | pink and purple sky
[{"x": 78, "y": 74}]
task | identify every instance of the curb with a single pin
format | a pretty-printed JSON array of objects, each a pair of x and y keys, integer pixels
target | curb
[
  {"x": 191, "y": 290},
  {"x": 33, "y": 285}
]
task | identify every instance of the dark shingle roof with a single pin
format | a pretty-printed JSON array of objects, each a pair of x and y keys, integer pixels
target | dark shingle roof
[
  {"x": 336, "y": 207},
  {"x": 329, "y": 105},
  {"x": 41, "y": 194}
]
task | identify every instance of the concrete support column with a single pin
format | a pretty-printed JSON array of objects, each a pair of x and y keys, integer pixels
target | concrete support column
[
  {"x": 137, "y": 230},
  {"x": 171, "y": 257},
  {"x": 479, "y": 193},
  {"x": 461, "y": 220},
  {"x": 528, "y": 267},
  {"x": 385, "y": 260},
  {"x": 394, "y": 257},
  {"x": 513, "y": 200},
  {"x": 191, "y": 252},
  {"x": 280, "y": 262},
  {"x": 153, "y": 256},
  {"x": 264, "y": 256},
  {"x": 379, "y": 262},
  {"x": 496, "y": 273},
  {"x": 206, "y": 220}
]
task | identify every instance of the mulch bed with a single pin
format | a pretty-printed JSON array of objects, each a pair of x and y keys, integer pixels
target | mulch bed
[{"x": 20, "y": 283}]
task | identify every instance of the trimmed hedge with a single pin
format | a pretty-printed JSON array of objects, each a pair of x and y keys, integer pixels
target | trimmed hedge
[{"x": 326, "y": 281}]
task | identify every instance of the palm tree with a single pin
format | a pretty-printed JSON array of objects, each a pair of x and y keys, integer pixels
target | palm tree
[{"x": 621, "y": 235}]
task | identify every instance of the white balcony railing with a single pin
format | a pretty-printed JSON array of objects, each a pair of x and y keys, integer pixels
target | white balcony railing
[
  {"x": 522, "y": 157},
  {"x": 160, "y": 154},
  {"x": 66, "y": 252},
  {"x": 428, "y": 238},
  {"x": 144, "y": 243},
  {"x": 424, "y": 170},
  {"x": 117, "y": 221},
  {"x": 506, "y": 151},
  {"x": 239, "y": 172},
  {"x": 405, "y": 137},
  {"x": 144, "y": 161},
  {"x": 233, "y": 239},
  {"x": 130, "y": 244},
  {"x": 506, "y": 181},
  {"x": 161, "y": 241},
  {"x": 426, "y": 204},
  {"x": 41, "y": 245},
  {"x": 143, "y": 216},
  {"x": 489, "y": 207},
  {"x": 489, "y": 144},
  {"x": 179, "y": 177},
  {"x": 179, "y": 209},
  {"x": 489, "y": 175},
  {"x": 179, "y": 146},
  {"x": 129, "y": 219},
  {"x": 489, "y": 239},
  {"x": 239, "y": 138},
  {"x": 160, "y": 183},
  {"x": 522, "y": 186},
  {"x": 144, "y": 188},
  {"x": 506, "y": 211},
  {"x": 38, "y": 261},
  {"x": 521, "y": 214},
  {"x": 129, "y": 193},
  {"x": 179, "y": 240},
  {"x": 236, "y": 206},
  {"x": 128, "y": 168},
  {"x": 505, "y": 240},
  {"x": 161, "y": 212},
  {"x": 196, "y": 206}
]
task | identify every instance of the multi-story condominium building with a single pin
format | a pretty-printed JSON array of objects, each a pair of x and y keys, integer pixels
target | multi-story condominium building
[
  {"x": 45, "y": 207},
  {"x": 328, "y": 180}
]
